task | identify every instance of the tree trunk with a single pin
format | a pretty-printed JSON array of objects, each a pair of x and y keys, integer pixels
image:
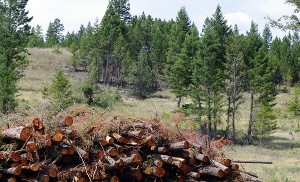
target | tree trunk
[
  {"x": 179, "y": 101},
  {"x": 228, "y": 117},
  {"x": 250, "y": 119},
  {"x": 233, "y": 119}
]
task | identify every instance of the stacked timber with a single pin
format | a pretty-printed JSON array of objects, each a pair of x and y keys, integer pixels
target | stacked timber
[{"x": 136, "y": 153}]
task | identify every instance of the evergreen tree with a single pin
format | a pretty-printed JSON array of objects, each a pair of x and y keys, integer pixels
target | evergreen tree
[
  {"x": 59, "y": 92},
  {"x": 143, "y": 80},
  {"x": 235, "y": 70},
  {"x": 274, "y": 53},
  {"x": 54, "y": 34},
  {"x": 267, "y": 35},
  {"x": 209, "y": 68},
  {"x": 36, "y": 38},
  {"x": 14, "y": 36},
  {"x": 294, "y": 102},
  {"x": 180, "y": 76},
  {"x": 177, "y": 36},
  {"x": 159, "y": 46},
  {"x": 263, "y": 93}
]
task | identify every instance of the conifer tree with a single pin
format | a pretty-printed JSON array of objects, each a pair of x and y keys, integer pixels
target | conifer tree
[
  {"x": 36, "y": 39},
  {"x": 235, "y": 70},
  {"x": 177, "y": 36},
  {"x": 14, "y": 36},
  {"x": 59, "y": 92},
  {"x": 211, "y": 64},
  {"x": 143, "y": 81},
  {"x": 180, "y": 76},
  {"x": 54, "y": 34}
]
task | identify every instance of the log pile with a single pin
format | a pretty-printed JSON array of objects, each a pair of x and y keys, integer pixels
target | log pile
[{"x": 138, "y": 152}]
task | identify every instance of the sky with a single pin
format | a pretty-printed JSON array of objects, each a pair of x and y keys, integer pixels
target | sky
[{"x": 73, "y": 13}]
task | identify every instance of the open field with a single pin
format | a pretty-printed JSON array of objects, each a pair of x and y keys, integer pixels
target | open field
[{"x": 282, "y": 147}]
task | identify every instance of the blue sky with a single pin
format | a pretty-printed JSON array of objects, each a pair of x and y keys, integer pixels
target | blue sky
[{"x": 73, "y": 13}]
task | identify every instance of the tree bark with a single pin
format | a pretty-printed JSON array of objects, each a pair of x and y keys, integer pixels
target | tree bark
[{"x": 250, "y": 127}]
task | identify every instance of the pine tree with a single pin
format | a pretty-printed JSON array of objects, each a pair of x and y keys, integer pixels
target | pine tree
[
  {"x": 59, "y": 92},
  {"x": 54, "y": 34},
  {"x": 177, "y": 36},
  {"x": 143, "y": 81},
  {"x": 209, "y": 68},
  {"x": 14, "y": 36},
  {"x": 263, "y": 94},
  {"x": 181, "y": 71},
  {"x": 36, "y": 38},
  {"x": 235, "y": 70}
]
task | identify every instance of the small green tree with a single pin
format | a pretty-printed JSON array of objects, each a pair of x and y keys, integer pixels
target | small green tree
[
  {"x": 294, "y": 102},
  {"x": 264, "y": 121},
  {"x": 59, "y": 92}
]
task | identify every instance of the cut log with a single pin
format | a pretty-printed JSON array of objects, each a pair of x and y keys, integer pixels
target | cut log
[
  {"x": 91, "y": 129},
  {"x": 71, "y": 150},
  {"x": 111, "y": 151},
  {"x": 162, "y": 150},
  {"x": 31, "y": 147},
  {"x": 12, "y": 179},
  {"x": 44, "y": 178},
  {"x": 32, "y": 167},
  {"x": 212, "y": 171},
  {"x": 194, "y": 175},
  {"x": 133, "y": 159},
  {"x": 82, "y": 152},
  {"x": 158, "y": 163},
  {"x": 226, "y": 162},
  {"x": 57, "y": 137},
  {"x": 114, "y": 179},
  {"x": 119, "y": 148},
  {"x": 186, "y": 168},
  {"x": 221, "y": 166},
  {"x": 201, "y": 157},
  {"x": 164, "y": 136},
  {"x": 64, "y": 151},
  {"x": 68, "y": 121},
  {"x": 159, "y": 171},
  {"x": 12, "y": 171},
  {"x": 179, "y": 145},
  {"x": 165, "y": 158},
  {"x": 35, "y": 122},
  {"x": 177, "y": 163},
  {"x": 135, "y": 133},
  {"x": 53, "y": 171},
  {"x": 179, "y": 159},
  {"x": 148, "y": 170},
  {"x": 109, "y": 140},
  {"x": 12, "y": 156},
  {"x": 21, "y": 133},
  {"x": 118, "y": 137},
  {"x": 234, "y": 167},
  {"x": 112, "y": 162},
  {"x": 100, "y": 140}
]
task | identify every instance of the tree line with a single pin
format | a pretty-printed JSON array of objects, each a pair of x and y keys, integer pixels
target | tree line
[{"x": 212, "y": 67}]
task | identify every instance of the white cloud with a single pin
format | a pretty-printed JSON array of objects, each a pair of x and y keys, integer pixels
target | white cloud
[{"x": 242, "y": 20}]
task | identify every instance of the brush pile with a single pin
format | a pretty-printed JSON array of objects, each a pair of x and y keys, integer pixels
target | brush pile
[{"x": 139, "y": 151}]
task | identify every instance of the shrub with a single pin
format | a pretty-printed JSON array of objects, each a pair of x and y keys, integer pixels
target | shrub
[{"x": 106, "y": 97}]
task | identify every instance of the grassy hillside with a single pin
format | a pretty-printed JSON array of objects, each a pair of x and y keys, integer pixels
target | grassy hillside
[{"x": 282, "y": 147}]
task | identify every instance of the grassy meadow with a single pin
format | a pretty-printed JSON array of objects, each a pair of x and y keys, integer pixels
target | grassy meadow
[{"x": 282, "y": 147}]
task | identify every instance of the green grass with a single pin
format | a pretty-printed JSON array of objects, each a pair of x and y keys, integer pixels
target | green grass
[{"x": 281, "y": 147}]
